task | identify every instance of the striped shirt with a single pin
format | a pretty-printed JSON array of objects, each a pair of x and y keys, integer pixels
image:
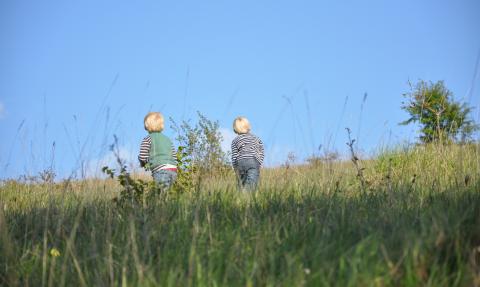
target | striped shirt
[
  {"x": 247, "y": 146},
  {"x": 144, "y": 154}
]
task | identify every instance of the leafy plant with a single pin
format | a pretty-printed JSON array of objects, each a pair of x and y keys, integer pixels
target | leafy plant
[
  {"x": 185, "y": 171},
  {"x": 135, "y": 191},
  {"x": 441, "y": 118},
  {"x": 201, "y": 144}
]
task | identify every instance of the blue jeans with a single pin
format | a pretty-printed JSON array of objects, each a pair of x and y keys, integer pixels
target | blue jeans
[
  {"x": 248, "y": 173},
  {"x": 165, "y": 178}
]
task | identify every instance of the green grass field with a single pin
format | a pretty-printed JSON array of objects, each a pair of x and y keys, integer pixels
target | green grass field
[{"x": 416, "y": 223}]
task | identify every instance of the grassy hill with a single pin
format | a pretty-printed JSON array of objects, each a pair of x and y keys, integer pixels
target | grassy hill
[{"x": 414, "y": 221}]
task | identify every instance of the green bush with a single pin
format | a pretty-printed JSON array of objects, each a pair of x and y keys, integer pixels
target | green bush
[{"x": 441, "y": 118}]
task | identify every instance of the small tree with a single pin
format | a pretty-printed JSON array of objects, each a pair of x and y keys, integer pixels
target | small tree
[
  {"x": 441, "y": 118},
  {"x": 201, "y": 143}
]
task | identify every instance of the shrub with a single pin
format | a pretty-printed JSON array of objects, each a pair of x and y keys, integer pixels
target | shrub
[
  {"x": 441, "y": 118},
  {"x": 201, "y": 144}
]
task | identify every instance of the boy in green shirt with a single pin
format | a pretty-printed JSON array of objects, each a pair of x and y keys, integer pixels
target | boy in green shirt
[{"x": 157, "y": 152}]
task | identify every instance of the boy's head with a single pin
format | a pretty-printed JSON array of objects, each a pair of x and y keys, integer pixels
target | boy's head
[
  {"x": 153, "y": 122},
  {"x": 241, "y": 125}
]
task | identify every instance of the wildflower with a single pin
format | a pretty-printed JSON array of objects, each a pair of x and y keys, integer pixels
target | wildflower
[
  {"x": 54, "y": 252},
  {"x": 307, "y": 270}
]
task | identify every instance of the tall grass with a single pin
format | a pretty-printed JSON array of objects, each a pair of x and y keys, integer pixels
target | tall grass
[{"x": 416, "y": 223}]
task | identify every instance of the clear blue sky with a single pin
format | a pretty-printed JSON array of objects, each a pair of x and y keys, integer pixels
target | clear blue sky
[{"x": 77, "y": 72}]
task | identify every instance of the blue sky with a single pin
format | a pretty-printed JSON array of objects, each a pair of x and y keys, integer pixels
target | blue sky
[{"x": 77, "y": 73}]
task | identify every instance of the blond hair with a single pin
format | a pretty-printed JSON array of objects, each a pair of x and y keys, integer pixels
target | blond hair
[
  {"x": 241, "y": 125},
  {"x": 154, "y": 122}
]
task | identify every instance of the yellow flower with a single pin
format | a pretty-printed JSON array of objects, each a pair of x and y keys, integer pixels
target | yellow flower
[{"x": 54, "y": 252}]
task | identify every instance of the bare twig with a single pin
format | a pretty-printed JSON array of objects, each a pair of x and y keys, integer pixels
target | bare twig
[{"x": 355, "y": 160}]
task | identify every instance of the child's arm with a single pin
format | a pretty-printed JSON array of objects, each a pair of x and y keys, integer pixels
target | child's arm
[
  {"x": 261, "y": 151},
  {"x": 234, "y": 154},
  {"x": 144, "y": 154},
  {"x": 174, "y": 153}
]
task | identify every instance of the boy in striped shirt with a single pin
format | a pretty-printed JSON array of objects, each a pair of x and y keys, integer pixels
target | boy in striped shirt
[
  {"x": 157, "y": 152},
  {"x": 247, "y": 154}
]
